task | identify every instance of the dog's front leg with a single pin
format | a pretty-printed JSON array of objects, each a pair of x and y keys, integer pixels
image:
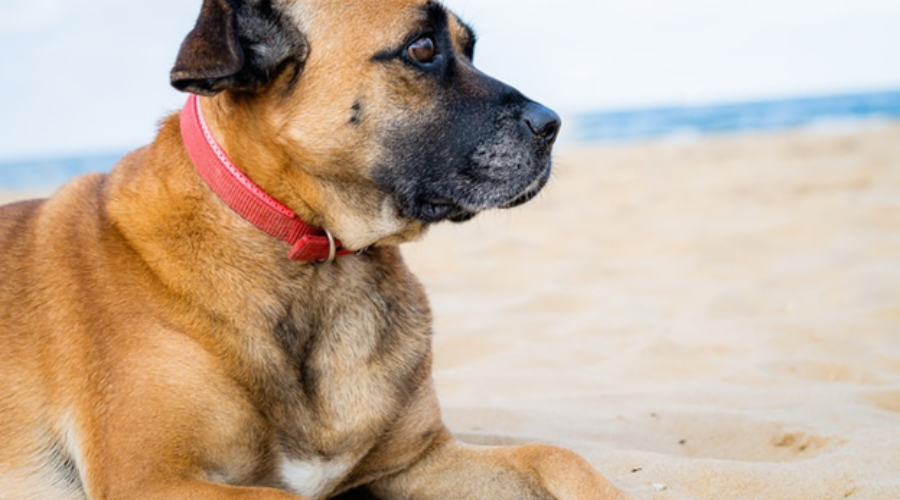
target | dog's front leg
[
  {"x": 202, "y": 490},
  {"x": 456, "y": 471}
]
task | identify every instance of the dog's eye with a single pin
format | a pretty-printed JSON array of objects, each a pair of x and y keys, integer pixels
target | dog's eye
[{"x": 422, "y": 50}]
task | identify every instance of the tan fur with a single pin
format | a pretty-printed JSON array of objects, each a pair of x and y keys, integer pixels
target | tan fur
[{"x": 157, "y": 346}]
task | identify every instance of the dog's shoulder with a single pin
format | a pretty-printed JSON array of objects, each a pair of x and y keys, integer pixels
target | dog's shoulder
[{"x": 50, "y": 247}]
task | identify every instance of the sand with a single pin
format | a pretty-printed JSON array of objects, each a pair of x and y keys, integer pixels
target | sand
[{"x": 711, "y": 320}]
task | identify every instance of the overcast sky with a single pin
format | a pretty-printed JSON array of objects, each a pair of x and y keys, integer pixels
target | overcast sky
[{"x": 92, "y": 75}]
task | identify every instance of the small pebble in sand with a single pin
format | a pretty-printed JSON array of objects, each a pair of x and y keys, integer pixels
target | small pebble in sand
[{"x": 660, "y": 487}]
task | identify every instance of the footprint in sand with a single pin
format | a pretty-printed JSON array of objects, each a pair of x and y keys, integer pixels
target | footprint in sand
[{"x": 729, "y": 437}]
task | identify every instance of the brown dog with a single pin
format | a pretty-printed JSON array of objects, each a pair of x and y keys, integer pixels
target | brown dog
[{"x": 157, "y": 343}]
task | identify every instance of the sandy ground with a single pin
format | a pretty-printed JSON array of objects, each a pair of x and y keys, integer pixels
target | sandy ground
[{"x": 715, "y": 320}]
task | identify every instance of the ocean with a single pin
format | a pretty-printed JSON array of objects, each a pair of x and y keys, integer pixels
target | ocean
[
  {"x": 44, "y": 174},
  {"x": 606, "y": 127},
  {"x": 757, "y": 116}
]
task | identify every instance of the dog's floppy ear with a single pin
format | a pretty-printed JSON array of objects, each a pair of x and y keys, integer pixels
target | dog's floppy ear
[{"x": 238, "y": 45}]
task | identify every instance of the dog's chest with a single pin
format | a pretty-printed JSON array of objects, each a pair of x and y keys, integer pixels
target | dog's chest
[
  {"x": 353, "y": 360},
  {"x": 349, "y": 369}
]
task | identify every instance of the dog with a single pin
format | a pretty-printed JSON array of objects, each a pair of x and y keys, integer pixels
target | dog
[{"x": 227, "y": 314}]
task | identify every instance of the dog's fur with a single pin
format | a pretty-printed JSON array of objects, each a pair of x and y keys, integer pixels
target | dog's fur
[{"x": 155, "y": 345}]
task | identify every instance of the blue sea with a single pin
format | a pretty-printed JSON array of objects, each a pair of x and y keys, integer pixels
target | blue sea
[
  {"x": 41, "y": 174},
  {"x": 602, "y": 127},
  {"x": 758, "y": 116}
]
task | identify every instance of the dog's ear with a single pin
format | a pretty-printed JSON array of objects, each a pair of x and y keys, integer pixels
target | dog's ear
[{"x": 239, "y": 45}]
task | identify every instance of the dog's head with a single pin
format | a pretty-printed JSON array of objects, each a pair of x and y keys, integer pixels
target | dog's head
[{"x": 366, "y": 115}]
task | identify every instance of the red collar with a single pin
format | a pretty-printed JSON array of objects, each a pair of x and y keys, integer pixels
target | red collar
[{"x": 308, "y": 243}]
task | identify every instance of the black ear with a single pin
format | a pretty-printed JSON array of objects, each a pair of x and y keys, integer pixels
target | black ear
[{"x": 239, "y": 45}]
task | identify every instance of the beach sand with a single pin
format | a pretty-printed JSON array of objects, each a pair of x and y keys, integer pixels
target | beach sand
[{"x": 711, "y": 320}]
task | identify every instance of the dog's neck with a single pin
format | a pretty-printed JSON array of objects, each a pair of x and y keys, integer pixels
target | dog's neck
[
  {"x": 308, "y": 243},
  {"x": 324, "y": 187}
]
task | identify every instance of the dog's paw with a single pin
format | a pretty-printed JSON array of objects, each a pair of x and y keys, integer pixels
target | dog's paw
[{"x": 567, "y": 476}]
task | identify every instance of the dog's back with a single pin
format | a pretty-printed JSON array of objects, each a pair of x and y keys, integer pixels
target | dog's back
[{"x": 38, "y": 295}]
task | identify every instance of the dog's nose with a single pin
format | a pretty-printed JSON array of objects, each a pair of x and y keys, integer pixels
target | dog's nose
[{"x": 543, "y": 121}]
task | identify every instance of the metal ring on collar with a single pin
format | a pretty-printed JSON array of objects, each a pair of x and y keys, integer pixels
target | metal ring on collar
[{"x": 332, "y": 249}]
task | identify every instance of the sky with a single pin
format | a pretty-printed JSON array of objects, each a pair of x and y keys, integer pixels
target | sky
[{"x": 92, "y": 76}]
